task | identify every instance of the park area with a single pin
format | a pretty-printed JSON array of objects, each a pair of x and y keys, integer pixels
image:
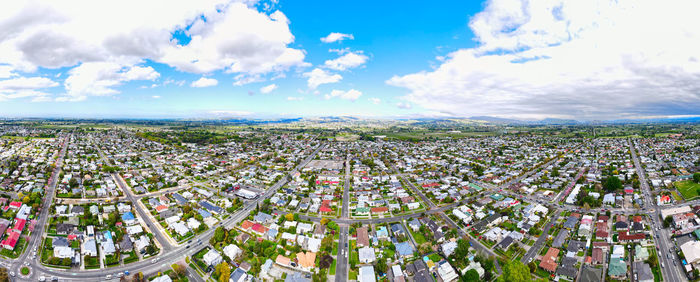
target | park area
[{"x": 688, "y": 189}]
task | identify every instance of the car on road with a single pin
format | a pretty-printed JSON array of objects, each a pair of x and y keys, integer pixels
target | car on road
[
  {"x": 42, "y": 278},
  {"x": 109, "y": 276},
  {"x": 12, "y": 273},
  {"x": 188, "y": 246}
]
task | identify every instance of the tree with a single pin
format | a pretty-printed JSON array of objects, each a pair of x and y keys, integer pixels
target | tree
[
  {"x": 180, "y": 269},
  {"x": 471, "y": 276},
  {"x": 289, "y": 217},
  {"x": 667, "y": 221},
  {"x": 219, "y": 234},
  {"x": 696, "y": 177},
  {"x": 612, "y": 184},
  {"x": 515, "y": 271},
  {"x": 381, "y": 265},
  {"x": 223, "y": 271},
  {"x": 3, "y": 274}
]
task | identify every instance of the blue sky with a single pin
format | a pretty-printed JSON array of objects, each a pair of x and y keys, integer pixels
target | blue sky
[{"x": 219, "y": 58}]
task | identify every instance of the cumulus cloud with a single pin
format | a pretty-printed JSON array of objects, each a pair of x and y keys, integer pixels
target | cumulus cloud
[
  {"x": 204, "y": 82},
  {"x": 23, "y": 87},
  {"x": 350, "y": 95},
  {"x": 267, "y": 89},
  {"x": 568, "y": 59},
  {"x": 292, "y": 98},
  {"x": 335, "y": 36},
  {"x": 101, "y": 79},
  {"x": 231, "y": 36},
  {"x": 347, "y": 61},
  {"x": 375, "y": 101},
  {"x": 155, "y": 97},
  {"x": 319, "y": 76}
]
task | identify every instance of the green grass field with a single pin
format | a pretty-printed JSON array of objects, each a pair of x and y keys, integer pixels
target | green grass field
[{"x": 688, "y": 189}]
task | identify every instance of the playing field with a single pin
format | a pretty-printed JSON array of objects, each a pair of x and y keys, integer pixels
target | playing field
[{"x": 688, "y": 188}]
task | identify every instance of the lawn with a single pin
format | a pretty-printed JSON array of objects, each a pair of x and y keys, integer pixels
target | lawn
[
  {"x": 420, "y": 239},
  {"x": 688, "y": 189},
  {"x": 332, "y": 270},
  {"x": 676, "y": 197}
]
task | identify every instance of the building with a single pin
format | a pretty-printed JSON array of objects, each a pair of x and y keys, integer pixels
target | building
[
  {"x": 549, "y": 260},
  {"x": 366, "y": 255},
  {"x": 691, "y": 251},
  {"x": 617, "y": 268},
  {"x": 644, "y": 273},
  {"x": 212, "y": 258},
  {"x": 446, "y": 272},
  {"x": 367, "y": 274}
]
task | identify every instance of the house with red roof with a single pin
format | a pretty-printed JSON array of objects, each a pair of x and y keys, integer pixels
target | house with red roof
[
  {"x": 19, "y": 224},
  {"x": 259, "y": 228},
  {"x": 15, "y": 205},
  {"x": 11, "y": 241},
  {"x": 626, "y": 237},
  {"x": 325, "y": 207},
  {"x": 246, "y": 225},
  {"x": 380, "y": 210}
]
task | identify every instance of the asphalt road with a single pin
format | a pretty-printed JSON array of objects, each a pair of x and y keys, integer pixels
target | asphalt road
[
  {"x": 662, "y": 237},
  {"x": 535, "y": 249}
]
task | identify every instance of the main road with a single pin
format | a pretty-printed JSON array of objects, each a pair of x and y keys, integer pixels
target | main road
[{"x": 670, "y": 271}]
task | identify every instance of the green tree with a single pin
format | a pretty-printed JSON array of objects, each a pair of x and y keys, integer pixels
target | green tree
[
  {"x": 381, "y": 265},
  {"x": 515, "y": 271},
  {"x": 471, "y": 276},
  {"x": 667, "y": 221},
  {"x": 612, "y": 184},
  {"x": 696, "y": 177},
  {"x": 219, "y": 234}
]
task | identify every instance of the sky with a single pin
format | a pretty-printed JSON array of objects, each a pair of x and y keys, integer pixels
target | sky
[{"x": 521, "y": 59}]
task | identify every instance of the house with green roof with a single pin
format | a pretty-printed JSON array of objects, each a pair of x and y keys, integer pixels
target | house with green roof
[
  {"x": 617, "y": 269},
  {"x": 475, "y": 187},
  {"x": 697, "y": 233},
  {"x": 640, "y": 253},
  {"x": 496, "y": 197},
  {"x": 362, "y": 211}
]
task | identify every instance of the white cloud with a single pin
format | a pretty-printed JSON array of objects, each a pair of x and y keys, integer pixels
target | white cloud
[
  {"x": 268, "y": 89},
  {"x": 347, "y": 61},
  {"x": 225, "y": 35},
  {"x": 291, "y": 98},
  {"x": 403, "y": 105},
  {"x": 204, "y": 82},
  {"x": 101, "y": 78},
  {"x": 375, "y": 101},
  {"x": 225, "y": 113},
  {"x": 6, "y": 71},
  {"x": 318, "y": 77},
  {"x": 23, "y": 87},
  {"x": 238, "y": 40},
  {"x": 335, "y": 36},
  {"x": 595, "y": 59},
  {"x": 155, "y": 97},
  {"x": 351, "y": 94}
]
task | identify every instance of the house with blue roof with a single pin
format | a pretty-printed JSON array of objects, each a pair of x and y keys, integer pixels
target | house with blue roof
[
  {"x": 203, "y": 213},
  {"x": 128, "y": 218},
  {"x": 210, "y": 207},
  {"x": 405, "y": 250},
  {"x": 382, "y": 232}
]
